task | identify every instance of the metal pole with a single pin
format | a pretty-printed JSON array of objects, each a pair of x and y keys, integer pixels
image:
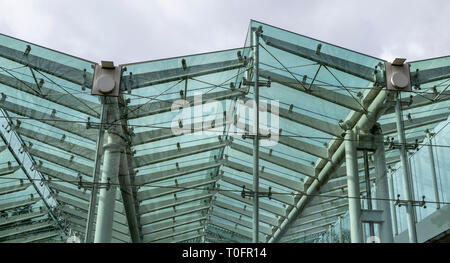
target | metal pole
[
  {"x": 433, "y": 169},
  {"x": 94, "y": 191},
  {"x": 256, "y": 141},
  {"x": 354, "y": 203},
  {"x": 392, "y": 197},
  {"x": 105, "y": 214},
  {"x": 368, "y": 189},
  {"x": 382, "y": 191},
  {"x": 405, "y": 172},
  {"x": 341, "y": 236}
]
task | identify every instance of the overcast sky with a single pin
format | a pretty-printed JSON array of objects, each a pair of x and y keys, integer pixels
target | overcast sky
[{"x": 131, "y": 31}]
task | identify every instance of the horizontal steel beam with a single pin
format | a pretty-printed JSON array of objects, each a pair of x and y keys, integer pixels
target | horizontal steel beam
[
  {"x": 174, "y": 173},
  {"x": 35, "y": 237},
  {"x": 58, "y": 143},
  {"x": 241, "y": 231},
  {"x": 166, "y": 234},
  {"x": 64, "y": 99},
  {"x": 23, "y": 217},
  {"x": 288, "y": 164},
  {"x": 283, "y": 198},
  {"x": 59, "y": 70},
  {"x": 150, "y": 219},
  {"x": 277, "y": 210},
  {"x": 24, "y": 229},
  {"x": 13, "y": 188},
  {"x": 9, "y": 170},
  {"x": 340, "y": 64},
  {"x": 390, "y": 128},
  {"x": 174, "y": 154},
  {"x": 430, "y": 75},
  {"x": 242, "y": 222},
  {"x": 67, "y": 163},
  {"x": 161, "y": 191},
  {"x": 184, "y": 199},
  {"x": 156, "y": 227},
  {"x": 148, "y": 109},
  {"x": 158, "y": 77},
  {"x": 277, "y": 179},
  {"x": 316, "y": 91},
  {"x": 54, "y": 121},
  {"x": 273, "y": 221},
  {"x": 12, "y": 205}
]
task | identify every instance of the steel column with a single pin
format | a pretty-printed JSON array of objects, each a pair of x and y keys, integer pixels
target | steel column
[
  {"x": 433, "y": 169},
  {"x": 351, "y": 163},
  {"x": 105, "y": 214},
  {"x": 405, "y": 171},
  {"x": 255, "y": 235},
  {"x": 382, "y": 191},
  {"x": 94, "y": 191},
  {"x": 392, "y": 197},
  {"x": 368, "y": 189}
]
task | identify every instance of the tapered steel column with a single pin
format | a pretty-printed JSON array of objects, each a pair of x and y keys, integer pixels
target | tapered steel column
[
  {"x": 368, "y": 189},
  {"x": 256, "y": 36},
  {"x": 405, "y": 172},
  {"x": 382, "y": 191},
  {"x": 433, "y": 169},
  {"x": 354, "y": 203},
  {"x": 111, "y": 162},
  {"x": 94, "y": 191},
  {"x": 392, "y": 197}
]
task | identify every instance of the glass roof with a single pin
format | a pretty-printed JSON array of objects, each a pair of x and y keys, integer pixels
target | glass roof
[{"x": 185, "y": 117}]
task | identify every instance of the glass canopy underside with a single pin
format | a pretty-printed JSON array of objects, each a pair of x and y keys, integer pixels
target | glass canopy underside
[{"x": 188, "y": 186}]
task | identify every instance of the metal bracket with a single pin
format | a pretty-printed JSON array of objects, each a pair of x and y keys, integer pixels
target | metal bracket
[
  {"x": 89, "y": 185},
  {"x": 260, "y": 83},
  {"x": 245, "y": 193},
  {"x": 252, "y": 136},
  {"x": 408, "y": 146},
  {"x": 399, "y": 202}
]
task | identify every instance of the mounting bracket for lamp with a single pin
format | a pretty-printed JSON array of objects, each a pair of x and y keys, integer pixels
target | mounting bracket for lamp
[
  {"x": 398, "y": 77},
  {"x": 106, "y": 79}
]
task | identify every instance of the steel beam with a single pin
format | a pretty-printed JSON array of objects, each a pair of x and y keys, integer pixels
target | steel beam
[
  {"x": 241, "y": 231},
  {"x": 24, "y": 229},
  {"x": 156, "y": 227},
  {"x": 174, "y": 154},
  {"x": 59, "y": 70},
  {"x": 9, "y": 170},
  {"x": 273, "y": 221},
  {"x": 277, "y": 179},
  {"x": 57, "y": 143},
  {"x": 433, "y": 169},
  {"x": 280, "y": 211},
  {"x": 64, "y": 99},
  {"x": 67, "y": 163},
  {"x": 174, "y": 173},
  {"x": 12, "y": 205},
  {"x": 340, "y": 64},
  {"x": 242, "y": 222},
  {"x": 288, "y": 164},
  {"x": 152, "y": 207},
  {"x": 24, "y": 217},
  {"x": 283, "y": 198},
  {"x": 316, "y": 91},
  {"x": 13, "y": 188},
  {"x": 35, "y": 237},
  {"x": 48, "y": 119},
  {"x": 170, "y": 234},
  {"x": 150, "y": 219},
  {"x": 148, "y": 109},
  {"x": 163, "y": 76},
  {"x": 390, "y": 128}
]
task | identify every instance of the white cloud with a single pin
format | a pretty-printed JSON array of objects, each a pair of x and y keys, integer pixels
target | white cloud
[{"x": 137, "y": 30}]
